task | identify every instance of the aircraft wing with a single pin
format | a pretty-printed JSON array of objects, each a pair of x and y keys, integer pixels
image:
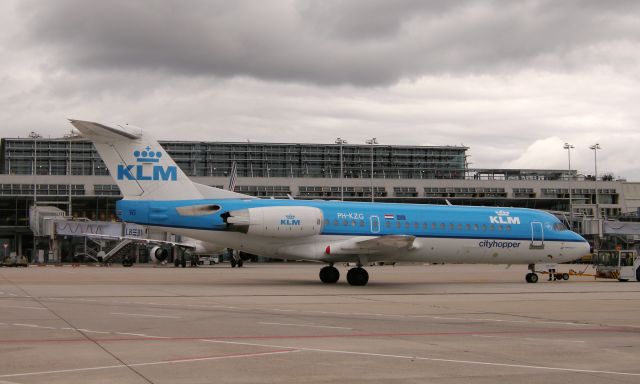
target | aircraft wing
[
  {"x": 371, "y": 245},
  {"x": 140, "y": 240}
]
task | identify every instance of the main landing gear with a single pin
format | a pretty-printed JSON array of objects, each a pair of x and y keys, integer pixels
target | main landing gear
[
  {"x": 329, "y": 274},
  {"x": 531, "y": 277},
  {"x": 356, "y": 276},
  {"x": 236, "y": 263}
]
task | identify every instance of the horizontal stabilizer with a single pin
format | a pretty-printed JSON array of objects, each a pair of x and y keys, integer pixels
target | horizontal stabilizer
[{"x": 101, "y": 133}]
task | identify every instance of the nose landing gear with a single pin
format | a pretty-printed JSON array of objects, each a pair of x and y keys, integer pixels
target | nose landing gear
[{"x": 531, "y": 277}]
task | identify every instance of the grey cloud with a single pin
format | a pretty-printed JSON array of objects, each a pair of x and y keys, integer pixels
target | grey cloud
[{"x": 363, "y": 43}]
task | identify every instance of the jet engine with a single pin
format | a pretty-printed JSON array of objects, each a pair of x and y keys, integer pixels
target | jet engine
[
  {"x": 158, "y": 254},
  {"x": 277, "y": 221}
]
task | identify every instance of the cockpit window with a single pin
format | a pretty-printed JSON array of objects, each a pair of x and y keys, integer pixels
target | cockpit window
[{"x": 559, "y": 227}]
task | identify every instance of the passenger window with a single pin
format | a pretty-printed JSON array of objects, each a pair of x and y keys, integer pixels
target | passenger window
[
  {"x": 416, "y": 225},
  {"x": 425, "y": 226},
  {"x": 468, "y": 227},
  {"x": 442, "y": 226},
  {"x": 407, "y": 225},
  {"x": 345, "y": 223},
  {"x": 484, "y": 227},
  {"x": 326, "y": 221},
  {"x": 353, "y": 223},
  {"x": 500, "y": 227},
  {"x": 434, "y": 226},
  {"x": 336, "y": 222},
  {"x": 508, "y": 227},
  {"x": 387, "y": 224},
  {"x": 399, "y": 224},
  {"x": 459, "y": 227},
  {"x": 492, "y": 227},
  {"x": 475, "y": 227},
  {"x": 452, "y": 227},
  {"x": 362, "y": 223}
]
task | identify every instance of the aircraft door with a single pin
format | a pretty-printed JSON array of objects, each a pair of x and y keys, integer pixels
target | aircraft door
[
  {"x": 375, "y": 224},
  {"x": 537, "y": 235}
]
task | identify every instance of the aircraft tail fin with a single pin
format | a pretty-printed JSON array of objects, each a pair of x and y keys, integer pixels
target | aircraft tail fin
[{"x": 140, "y": 166}]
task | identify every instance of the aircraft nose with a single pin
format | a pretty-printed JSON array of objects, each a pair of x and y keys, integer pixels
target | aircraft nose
[{"x": 583, "y": 249}]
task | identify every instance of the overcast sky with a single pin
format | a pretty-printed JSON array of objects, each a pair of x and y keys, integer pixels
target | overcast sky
[{"x": 513, "y": 80}]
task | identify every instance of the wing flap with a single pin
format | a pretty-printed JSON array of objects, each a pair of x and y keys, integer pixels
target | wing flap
[
  {"x": 388, "y": 241},
  {"x": 372, "y": 245},
  {"x": 139, "y": 240}
]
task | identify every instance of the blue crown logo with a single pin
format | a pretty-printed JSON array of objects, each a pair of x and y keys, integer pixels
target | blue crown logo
[
  {"x": 502, "y": 213},
  {"x": 290, "y": 216},
  {"x": 147, "y": 155}
]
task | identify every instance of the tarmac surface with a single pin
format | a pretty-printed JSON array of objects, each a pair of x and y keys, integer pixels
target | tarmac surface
[{"x": 276, "y": 323}]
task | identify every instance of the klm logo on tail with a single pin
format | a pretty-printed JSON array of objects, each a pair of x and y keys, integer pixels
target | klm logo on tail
[{"x": 140, "y": 172}]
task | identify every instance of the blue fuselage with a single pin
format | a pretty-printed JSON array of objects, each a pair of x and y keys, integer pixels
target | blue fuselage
[{"x": 366, "y": 219}]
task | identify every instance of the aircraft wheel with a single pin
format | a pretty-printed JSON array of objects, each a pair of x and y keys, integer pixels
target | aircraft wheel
[
  {"x": 565, "y": 276},
  {"x": 531, "y": 278},
  {"x": 233, "y": 262},
  {"x": 329, "y": 274},
  {"x": 358, "y": 276},
  {"x": 183, "y": 262},
  {"x": 638, "y": 274},
  {"x": 240, "y": 263},
  {"x": 176, "y": 262}
]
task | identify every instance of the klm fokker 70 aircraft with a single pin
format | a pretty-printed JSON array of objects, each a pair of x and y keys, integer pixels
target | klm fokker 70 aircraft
[{"x": 157, "y": 193}]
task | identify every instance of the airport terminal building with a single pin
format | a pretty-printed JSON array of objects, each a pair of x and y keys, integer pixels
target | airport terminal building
[{"x": 68, "y": 173}]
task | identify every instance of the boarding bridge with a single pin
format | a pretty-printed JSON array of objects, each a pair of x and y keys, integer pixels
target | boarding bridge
[
  {"x": 592, "y": 226},
  {"x": 629, "y": 228},
  {"x": 100, "y": 250},
  {"x": 51, "y": 227},
  {"x": 42, "y": 218}
]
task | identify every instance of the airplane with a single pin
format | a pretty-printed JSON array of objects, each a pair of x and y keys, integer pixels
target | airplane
[{"x": 157, "y": 193}]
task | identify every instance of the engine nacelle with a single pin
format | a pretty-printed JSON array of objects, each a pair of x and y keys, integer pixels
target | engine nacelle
[
  {"x": 158, "y": 254},
  {"x": 277, "y": 221}
]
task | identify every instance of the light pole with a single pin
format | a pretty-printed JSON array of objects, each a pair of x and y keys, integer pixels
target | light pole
[
  {"x": 373, "y": 141},
  {"x": 71, "y": 136},
  {"x": 35, "y": 136},
  {"x": 595, "y": 148},
  {"x": 341, "y": 142},
  {"x": 569, "y": 147}
]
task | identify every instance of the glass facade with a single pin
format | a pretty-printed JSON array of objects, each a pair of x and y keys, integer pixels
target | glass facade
[
  {"x": 61, "y": 157},
  {"x": 50, "y": 157}
]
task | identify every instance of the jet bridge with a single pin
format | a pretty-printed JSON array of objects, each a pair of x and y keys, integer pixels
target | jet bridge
[{"x": 63, "y": 239}]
